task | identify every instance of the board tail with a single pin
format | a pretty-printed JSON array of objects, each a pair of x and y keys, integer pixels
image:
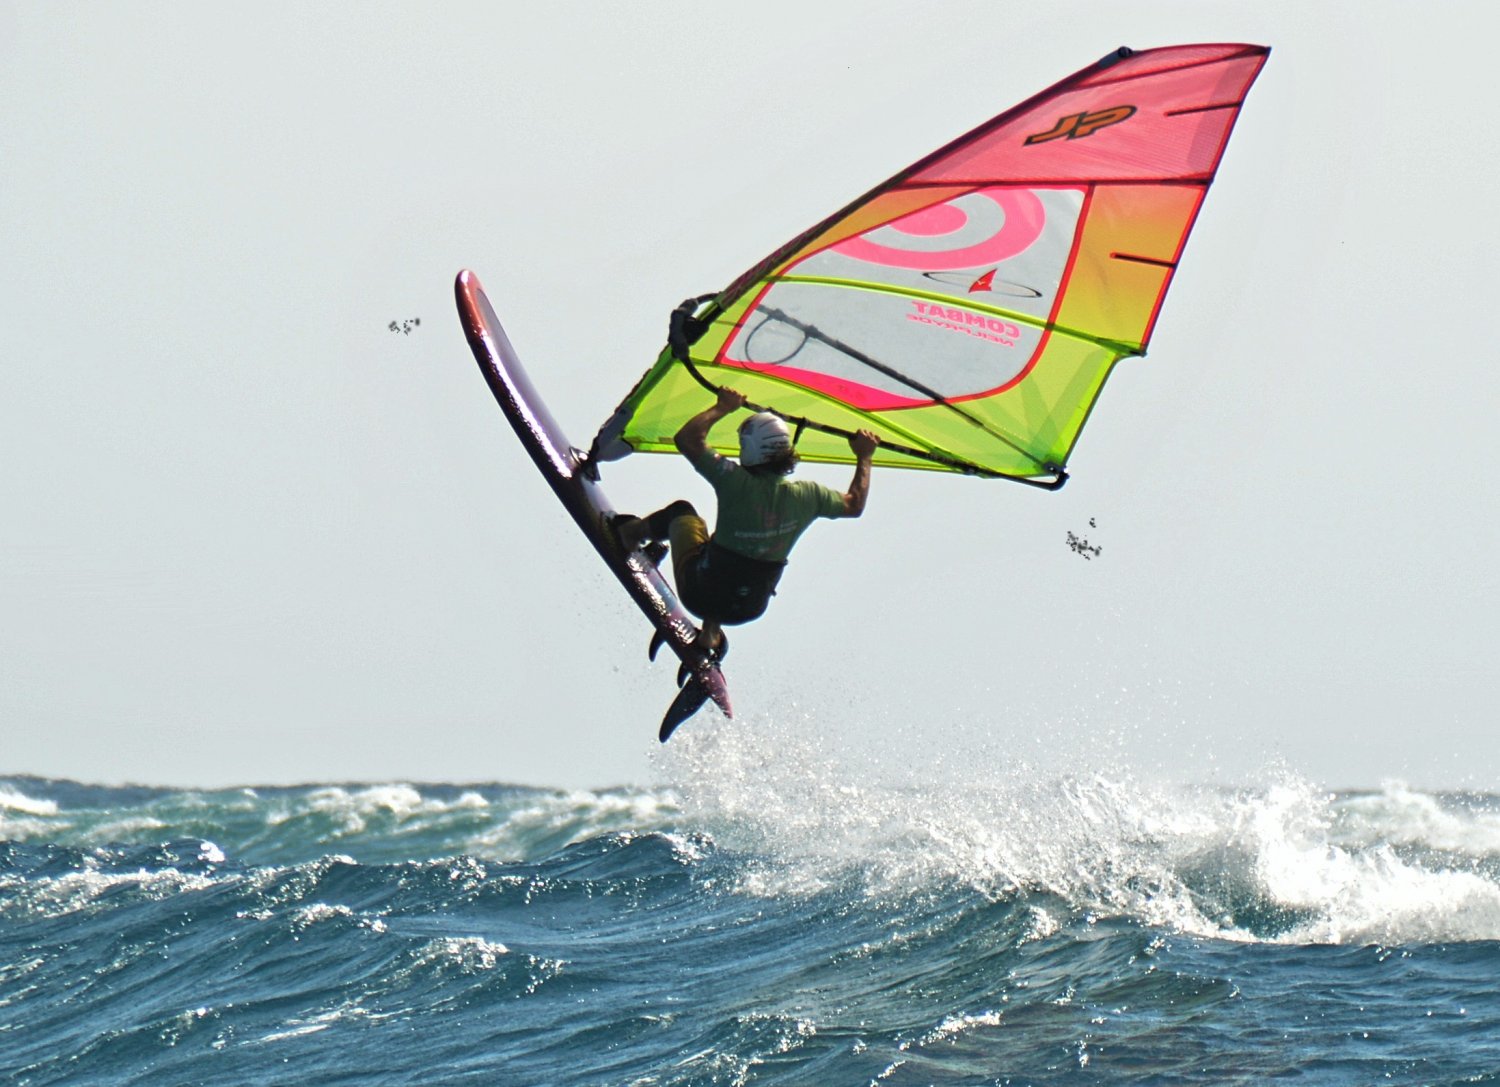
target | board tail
[{"x": 705, "y": 683}]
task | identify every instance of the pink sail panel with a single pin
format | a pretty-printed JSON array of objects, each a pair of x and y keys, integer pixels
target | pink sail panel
[{"x": 1180, "y": 104}]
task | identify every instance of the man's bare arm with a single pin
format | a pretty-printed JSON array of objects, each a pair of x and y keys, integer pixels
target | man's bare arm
[
  {"x": 864, "y": 444},
  {"x": 692, "y": 439}
]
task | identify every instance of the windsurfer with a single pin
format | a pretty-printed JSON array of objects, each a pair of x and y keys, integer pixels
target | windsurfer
[{"x": 728, "y": 578}]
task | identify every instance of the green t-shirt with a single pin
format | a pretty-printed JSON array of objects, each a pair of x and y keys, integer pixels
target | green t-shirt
[{"x": 761, "y": 517}]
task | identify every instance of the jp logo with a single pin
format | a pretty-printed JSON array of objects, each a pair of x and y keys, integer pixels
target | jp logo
[{"x": 1077, "y": 125}]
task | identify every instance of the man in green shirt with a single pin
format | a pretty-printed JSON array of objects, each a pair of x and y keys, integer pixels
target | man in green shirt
[{"x": 728, "y": 578}]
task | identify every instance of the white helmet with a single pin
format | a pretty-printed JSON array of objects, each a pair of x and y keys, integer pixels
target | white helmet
[{"x": 763, "y": 437}]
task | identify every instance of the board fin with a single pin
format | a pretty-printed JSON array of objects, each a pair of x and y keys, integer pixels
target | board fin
[{"x": 703, "y": 684}]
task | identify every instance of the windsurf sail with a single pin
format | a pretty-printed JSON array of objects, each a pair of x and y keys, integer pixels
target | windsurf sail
[{"x": 969, "y": 310}]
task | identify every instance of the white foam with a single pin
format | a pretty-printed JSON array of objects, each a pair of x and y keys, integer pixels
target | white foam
[
  {"x": 126, "y": 828},
  {"x": 1277, "y": 862},
  {"x": 1401, "y": 815},
  {"x": 57, "y": 896},
  {"x": 313, "y": 913},
  {"x": 302, "y": 1026},
  {"x": 956, "y": 1026},
  {"x": 354, "y": 810},
  {"x": 573, "y": 815},
  {"x": 1364, "y": 893},
  {"x": 11, "y": 800},
  {"x": 469, "y": 952}
]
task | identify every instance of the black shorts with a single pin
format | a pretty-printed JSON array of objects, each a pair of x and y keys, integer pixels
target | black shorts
[{"x": 716, "y": 583}]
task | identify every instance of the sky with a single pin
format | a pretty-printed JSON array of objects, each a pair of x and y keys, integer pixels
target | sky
[{"x": 251, "y": 534}]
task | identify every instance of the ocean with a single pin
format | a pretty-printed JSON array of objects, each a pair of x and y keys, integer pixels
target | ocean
[{"x": 754, "y": 919}]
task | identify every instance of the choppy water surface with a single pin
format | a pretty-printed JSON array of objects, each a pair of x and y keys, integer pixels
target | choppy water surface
[{"x": 763, "y": 920}]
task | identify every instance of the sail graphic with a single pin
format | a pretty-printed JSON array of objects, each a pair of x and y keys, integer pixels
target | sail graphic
[{"x": 969, "y": 310}]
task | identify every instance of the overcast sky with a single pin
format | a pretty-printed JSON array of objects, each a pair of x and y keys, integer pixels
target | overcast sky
[{"x": 250, "y": 534}]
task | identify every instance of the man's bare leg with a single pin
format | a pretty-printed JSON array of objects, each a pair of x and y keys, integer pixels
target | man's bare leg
[{"x": 712, "y": 635}]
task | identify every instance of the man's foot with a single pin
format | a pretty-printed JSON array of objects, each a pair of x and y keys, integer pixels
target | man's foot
[
  {"x": 631, "y": 533},
  {"x": 712, "y": 637}
]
